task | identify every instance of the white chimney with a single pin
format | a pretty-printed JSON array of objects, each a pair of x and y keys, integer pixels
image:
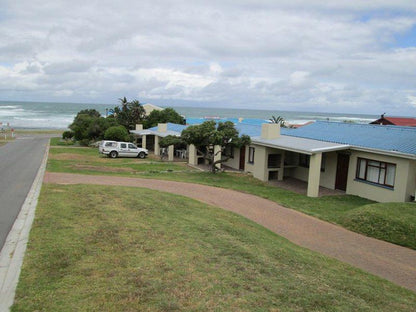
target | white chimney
[{"x": 270, "y": 131}]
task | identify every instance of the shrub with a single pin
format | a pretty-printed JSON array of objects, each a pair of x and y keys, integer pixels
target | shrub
[
  {"x": 67, "y": 135},
  {"x": 116, "y": 133}
]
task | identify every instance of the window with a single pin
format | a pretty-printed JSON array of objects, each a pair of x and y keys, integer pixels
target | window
[
  {"x": 132, "y": 145},
  {"x": 304, "y": 160},
  {"x": 377, "y": 172},
  {"x": 229, "y": 151},
  {"x": 123, "y": 145},
  {"x": 251, "y": 155},
  {"x": 273, "y": 161}
]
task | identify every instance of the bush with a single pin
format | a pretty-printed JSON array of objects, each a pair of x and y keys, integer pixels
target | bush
[
  {"x": 67, "y": 135},
  {"x": 116, "y": 133}
]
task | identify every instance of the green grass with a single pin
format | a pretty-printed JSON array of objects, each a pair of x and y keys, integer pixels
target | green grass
[
  {"x": 335, "y": 209},
  {"x": 101, "y": 248},
  {"x": 392, "y": 222},
  {"x": 58, "y": 141}
]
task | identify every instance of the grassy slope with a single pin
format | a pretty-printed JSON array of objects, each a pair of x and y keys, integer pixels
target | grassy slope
[
  {"x": 95, "y": 248},
  {"x": 392, "y": 222},
  {"x": 394, "y": 225}
]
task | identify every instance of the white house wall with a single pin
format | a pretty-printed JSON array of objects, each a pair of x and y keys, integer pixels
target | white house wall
[
  {"x": 401, "y": 191},
  {"x": 411, "y": 181},
  {"x": 234, "y": 162}
]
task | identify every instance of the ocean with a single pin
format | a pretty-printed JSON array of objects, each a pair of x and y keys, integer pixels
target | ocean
[{"x": 47, "y": 115}]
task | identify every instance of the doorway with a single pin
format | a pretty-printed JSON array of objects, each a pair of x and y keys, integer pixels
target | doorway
[
  {"x": 242, "y": 158},
  {"x": 342, "y": 172}
]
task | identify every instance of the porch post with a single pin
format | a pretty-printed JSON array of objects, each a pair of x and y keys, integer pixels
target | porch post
[
  {"x": 217, "y": 148},
  {"x": 314, "y": 175},
  {"x": 144, "y": 141},
  {"x": 192, "y": 155},
  {"x": 171, "y": 148},
  {"x": 157, "y": 146},
  {"x": 281, "y": 172}
]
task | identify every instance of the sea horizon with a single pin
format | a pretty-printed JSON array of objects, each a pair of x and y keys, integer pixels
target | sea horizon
[{"x": 59, "y": 115}]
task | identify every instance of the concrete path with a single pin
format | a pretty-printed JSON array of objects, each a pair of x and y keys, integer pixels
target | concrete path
[{"x": 392, "y": 262}]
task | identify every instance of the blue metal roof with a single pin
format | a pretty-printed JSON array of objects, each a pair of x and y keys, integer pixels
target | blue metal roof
[
  {"x": 171, "y": 127},
  {"x": 387, "y": 138}
]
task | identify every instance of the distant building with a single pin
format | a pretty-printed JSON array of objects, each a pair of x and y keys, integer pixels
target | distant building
[
  {"x": 395, "y": 121},
  {"x": 150, "y": 107}
]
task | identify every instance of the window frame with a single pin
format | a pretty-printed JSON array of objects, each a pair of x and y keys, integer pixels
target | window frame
[
  {"x": 251, "y": 152},
  {"x": 382, "y": 166}
]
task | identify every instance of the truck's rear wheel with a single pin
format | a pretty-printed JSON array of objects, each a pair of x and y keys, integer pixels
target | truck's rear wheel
[{"x": 113, "y": 154}]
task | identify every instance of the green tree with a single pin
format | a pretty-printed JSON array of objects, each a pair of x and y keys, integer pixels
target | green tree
[
  {"x": 163, "y": 116},
  {"x": 278, "y": 120},
  {"x": 116, "y": 133},
  {"x": 208, "y": 134},
  {"x": 88, "y": 125},
  {"x": 128, "y": 114}
]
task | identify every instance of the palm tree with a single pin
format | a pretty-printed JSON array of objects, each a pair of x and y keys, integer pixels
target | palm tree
[{"x": 278, "y": 120}]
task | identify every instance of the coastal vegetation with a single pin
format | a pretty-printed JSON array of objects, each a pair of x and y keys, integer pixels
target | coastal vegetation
[
  {"x": 89, "y": 126},
  {"x": 107, "y": 248},
  {"x": 208, "y": 135},
  {"x": 352, "y": 212}
]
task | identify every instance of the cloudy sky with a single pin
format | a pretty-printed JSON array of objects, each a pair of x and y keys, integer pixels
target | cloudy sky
[{"x": 354, "y": 56}]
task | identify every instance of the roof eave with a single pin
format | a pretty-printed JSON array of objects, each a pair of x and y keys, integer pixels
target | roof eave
[{"x": 384, "y": 152}]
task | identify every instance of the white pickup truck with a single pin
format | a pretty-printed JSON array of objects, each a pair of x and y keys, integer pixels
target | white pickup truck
[{"x": 115, "y": 149}]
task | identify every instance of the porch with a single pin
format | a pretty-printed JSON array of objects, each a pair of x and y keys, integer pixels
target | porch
[{"x": 301, "y": 187}]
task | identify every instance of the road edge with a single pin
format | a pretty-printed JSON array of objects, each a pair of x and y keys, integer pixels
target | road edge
[{"x": 13, "y": 251}]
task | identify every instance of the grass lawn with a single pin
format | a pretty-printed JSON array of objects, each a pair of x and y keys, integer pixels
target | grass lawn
[
  {"x": 101, "y": 248},
  {"x": 396, "y": 225},
  {"x": 392, "y": 222}
]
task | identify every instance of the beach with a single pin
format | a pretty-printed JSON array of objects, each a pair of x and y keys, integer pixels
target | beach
[{"x": 50, "y": 115}]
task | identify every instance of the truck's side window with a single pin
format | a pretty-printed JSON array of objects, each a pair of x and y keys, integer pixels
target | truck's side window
[{"x": 123, "y": 145}]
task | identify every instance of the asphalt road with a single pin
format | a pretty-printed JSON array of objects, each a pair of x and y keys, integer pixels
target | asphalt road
[{"x": 19, "y": 163}]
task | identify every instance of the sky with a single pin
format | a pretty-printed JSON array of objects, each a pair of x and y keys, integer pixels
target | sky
[{"x": 354, "y": 56}]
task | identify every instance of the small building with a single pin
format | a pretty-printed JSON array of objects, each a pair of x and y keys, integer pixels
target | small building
[
  {"x": 148, "y": 108},
  {"x": 367, "y": 160},
  {"x": 395, "y": 121}
]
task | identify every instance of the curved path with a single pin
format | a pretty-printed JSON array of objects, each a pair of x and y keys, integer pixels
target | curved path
[{"x": 392, "y": 262}]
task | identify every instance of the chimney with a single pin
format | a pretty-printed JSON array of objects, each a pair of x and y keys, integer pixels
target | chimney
[
  {"x": 139, "y": 127},
  {"x": 162, "y": 127},
  {"x": 270, "y": 131}
]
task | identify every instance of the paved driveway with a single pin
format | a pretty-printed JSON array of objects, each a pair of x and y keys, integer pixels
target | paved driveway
[
  {"x": 392, "y": 262},
  {"x": 19, "y": 163}
]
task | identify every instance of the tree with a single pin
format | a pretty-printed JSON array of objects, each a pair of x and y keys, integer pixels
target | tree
[
  {"x": 116, "y": 133},
  {"x": 278, "y": 120},
  {"x": 208, "y": 134},
  {"x": 163, "y": 116},
  {"x": 88, "y": 125},
  {"x": 129, "y": 114},
  {"x": 67, "y": 135}
]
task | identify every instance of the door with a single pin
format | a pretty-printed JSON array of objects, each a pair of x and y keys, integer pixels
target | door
[
  {"x": 123, "y": 150},
  {"x": 242, "y": 157},
  {"x": 342, "y": 172}
]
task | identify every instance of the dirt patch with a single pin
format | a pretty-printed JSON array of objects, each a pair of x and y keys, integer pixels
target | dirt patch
[{"x": 102, "y": 169}]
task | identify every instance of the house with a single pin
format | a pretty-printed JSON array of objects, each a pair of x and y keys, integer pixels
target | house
[
  {"x": 395, "y": 121},
  {"x": 148, "y": 108},
  {"x": 149, "y": 138},
  {"x": 371, "y": 161},
  {"x": 367, "y": 160}
]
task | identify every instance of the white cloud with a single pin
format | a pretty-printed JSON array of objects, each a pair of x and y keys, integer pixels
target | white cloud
[{"x": 332, "y": 55}]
